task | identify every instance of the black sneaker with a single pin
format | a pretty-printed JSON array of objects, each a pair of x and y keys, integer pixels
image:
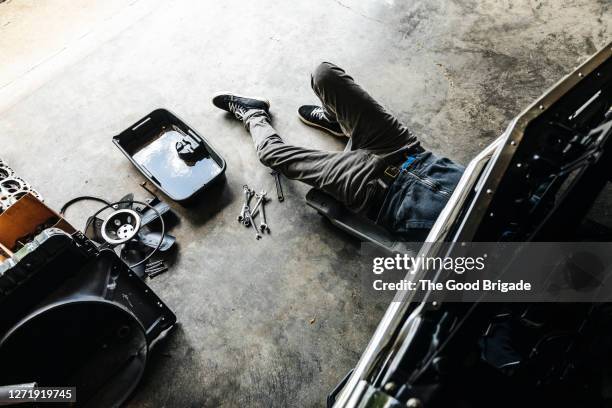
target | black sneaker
[
  {"x": 239, "y": 105},
  {"x": 315, "y": 116}
]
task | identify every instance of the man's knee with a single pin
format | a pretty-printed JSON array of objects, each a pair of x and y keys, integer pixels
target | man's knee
[
  {"x": 266, "y": 150},
  {"x": 264, "y": 157},
  {"x": 325, "y": 75}
]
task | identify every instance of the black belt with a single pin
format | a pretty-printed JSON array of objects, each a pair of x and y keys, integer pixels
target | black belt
[{"x": 380, "y": 192}]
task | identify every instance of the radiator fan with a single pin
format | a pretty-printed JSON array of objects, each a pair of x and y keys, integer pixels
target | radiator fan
[{"x": 134, "y": 229}]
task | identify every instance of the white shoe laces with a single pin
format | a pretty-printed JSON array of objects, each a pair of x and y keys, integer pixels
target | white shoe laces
[
  {"x": 237, "y": 109},
  {"x": 319, "y": 113}
]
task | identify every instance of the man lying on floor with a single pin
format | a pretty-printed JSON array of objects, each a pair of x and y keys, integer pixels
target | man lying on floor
[{"x": 383, "y": 172}]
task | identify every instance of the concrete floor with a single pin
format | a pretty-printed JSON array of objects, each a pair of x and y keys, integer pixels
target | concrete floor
[{"x": 279, "y": 322}]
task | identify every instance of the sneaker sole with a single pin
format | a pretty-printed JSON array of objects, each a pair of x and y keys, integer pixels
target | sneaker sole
[
  {"x": 316, "y": 125},
  {"x": 264, "y": 100}
]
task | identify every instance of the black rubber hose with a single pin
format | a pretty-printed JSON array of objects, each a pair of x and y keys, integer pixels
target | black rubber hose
[{"x": 82, "y": 198}]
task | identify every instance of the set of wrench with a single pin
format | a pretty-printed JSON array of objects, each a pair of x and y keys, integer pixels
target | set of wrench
[{"x": 248, "y": 214}]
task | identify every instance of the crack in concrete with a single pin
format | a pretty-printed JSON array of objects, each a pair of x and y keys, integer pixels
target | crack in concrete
[{"x": 341, "y": 4}]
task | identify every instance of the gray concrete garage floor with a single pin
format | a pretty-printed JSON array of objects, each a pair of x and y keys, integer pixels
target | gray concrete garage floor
[{"x": 278, "y": 322}]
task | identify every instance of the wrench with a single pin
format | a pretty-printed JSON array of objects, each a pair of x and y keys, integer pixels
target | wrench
[
  {"x": 255, "y": 209},
  {"x": 261, "y": 201},
  {"x": 252, "y": 222},
  {"x": 248, "y": 193},
  {"x": 240, "y": 217},
  {"x": 279, "y": 187},
  {"x": 260, "y": 197},
  {"x": 263, "y": 226}
]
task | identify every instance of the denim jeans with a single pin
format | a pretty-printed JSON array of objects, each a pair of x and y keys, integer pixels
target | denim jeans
[
  {"x": 419, "y": 194},
  {"x": 376, "y": 140}
]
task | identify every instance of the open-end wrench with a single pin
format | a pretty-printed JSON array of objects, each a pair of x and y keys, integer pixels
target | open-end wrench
[
  {"x": 261, "y": 201},
  {"x": 263, "y": 226},
  {"x": 255, "y": 209},
  {"x": 248, "y": 193},
  {"x": 279, "y": 187},
  {"x": 252, "y": 222},
  {"x": 240, "y": 217},
  {"x": 260, "y": 197}
]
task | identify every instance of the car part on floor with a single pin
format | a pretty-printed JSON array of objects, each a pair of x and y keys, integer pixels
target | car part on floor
[
  {"x": 120, "y": 226},
  {"x": 134, "y": 228},
  {"x": 155, "y": 268},
  {"x": 171, "y": 155},
  {"x": 79, "y": 199},
  {"x": 536, "y": 182},
  {"x": 132, "y": 223},
  {"x": 25, "y": 219},
  {"x": 12, "y": 187},
  {"x": 72, "y": 313}
]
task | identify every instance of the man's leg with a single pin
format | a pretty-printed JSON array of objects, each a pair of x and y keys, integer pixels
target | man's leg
[
  {"x": 367, "y": 123},
  {"x": 348, "y": 176}
]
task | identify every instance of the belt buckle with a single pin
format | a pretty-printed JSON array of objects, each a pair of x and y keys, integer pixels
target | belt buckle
[{"x": 392, "y": 171}]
